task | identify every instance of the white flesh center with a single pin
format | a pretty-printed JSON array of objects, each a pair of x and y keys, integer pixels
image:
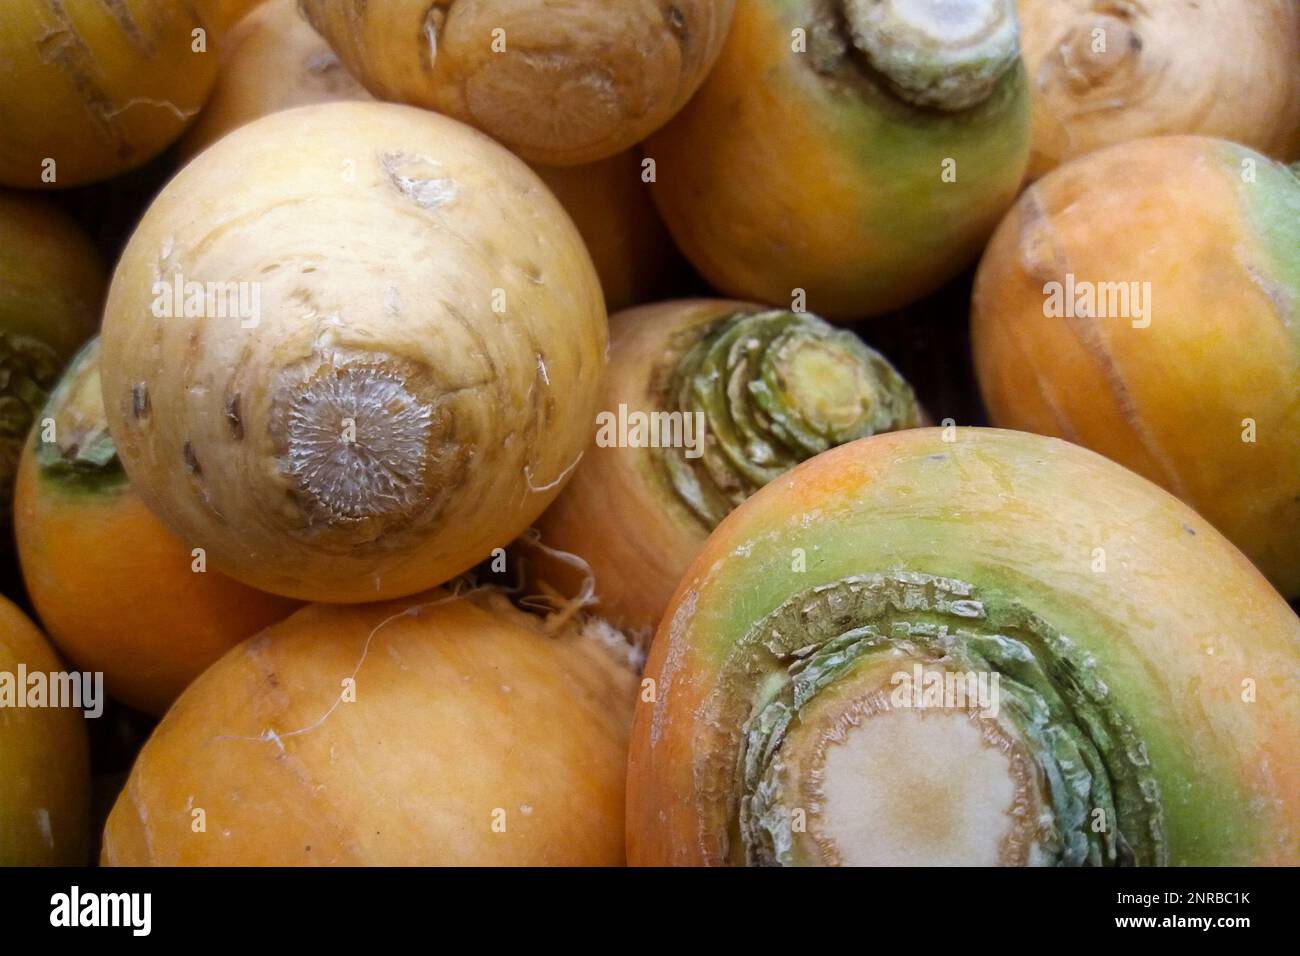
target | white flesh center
[
  {"x": 917, "y": 787},
  {"x": 947, "y": 22}
]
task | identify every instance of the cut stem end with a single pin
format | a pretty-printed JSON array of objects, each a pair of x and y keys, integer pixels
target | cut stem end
[
  {"x": 941, "y": 54},
  {"x": 916, "y": 787}
]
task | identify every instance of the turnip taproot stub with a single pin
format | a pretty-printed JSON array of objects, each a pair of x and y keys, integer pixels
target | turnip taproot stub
[
  {"x": 1157, "y": 321},
  {"x": 929, "y": 647},
  {"x": 845, "y": 155},
  {"x": 51, "y": 288},
  {"x": 384, "y": 360},
  {"x": 116, "y": 591},
  {"x": 557, "y": 83},
  {"x": 94, "y": 89},
  {"x": 1106, "y": 73},
  {"x": 722, "y": 397},
  {"x": 44, "y": 767},
  {"x": 436, "y": 730}
]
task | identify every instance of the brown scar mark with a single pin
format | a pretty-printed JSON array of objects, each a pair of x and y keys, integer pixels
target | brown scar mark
[
  {"x": 126, "y": 21},
  {"x": 140, "y": 403},
  {"x": 233, "y": 416}
]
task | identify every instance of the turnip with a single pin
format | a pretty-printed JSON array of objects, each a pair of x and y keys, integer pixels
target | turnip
[
  {"x": 271, "y": 60},
  {"x": 968, "y": 647},
  {"x": 51, "y": 287},
  {"x": 117, "y": 593},
  {"x": 44, "y": 768},
  {"x": 847, "y": 155},
  {"x": 1106, "y": 73},
  {"x": 93, "y": 89},
  {"x": 707, "y": 401},
  {"x": 557, "y": 83},
  {"x": 1142, "y": 301},
  {"x": 436, "y": 730},
  {"x": 395, "y": 368}
]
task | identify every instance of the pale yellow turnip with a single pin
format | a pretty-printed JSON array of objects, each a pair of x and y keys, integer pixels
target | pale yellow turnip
[{"x": 383, "y": 362}]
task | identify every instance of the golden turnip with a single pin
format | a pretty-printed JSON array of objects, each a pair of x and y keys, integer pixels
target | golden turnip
[
  {"x": 51, "y": 287},
  {"x": 117, "y": 593},
  {"x": 1002, "y": 649},
  {"x": 91, "y": 90},
  {"x": 44, "y": 770},
  {"x": 1103, "y": 73},
  {"x": 1141, "y": 301},
  {"x": 435, "y": 730},
  {"x": 271, "y": 60},
  {"x": 850, "y": 155},
  {"x": 707, "y": 401},
  {"x": 557, "y": 83},
  {"x": 351, "y": 349}
]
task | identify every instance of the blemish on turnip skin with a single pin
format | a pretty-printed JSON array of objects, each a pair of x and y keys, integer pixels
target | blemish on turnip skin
[
  {"x": 43, "y": 824},
  {"x": 414, "y": 178},
  {"x": 140, "y": 400},
  {"x": 182, "y": 114},
  {"x": 233, "y": 416},
  {"x": 191, "y": 461},
  {"x": 433, "y": 22},
  {"x": 392, "y": 301}
]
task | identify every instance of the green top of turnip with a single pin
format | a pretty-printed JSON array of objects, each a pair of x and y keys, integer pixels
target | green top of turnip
[
  {"x": 775, "y": 389},
  {"x": 1270, "y": 193},
  {"x": 942, "y": 55},
  {"x": 1092, "y": 758},
  {"x": 72, "y": 443}
]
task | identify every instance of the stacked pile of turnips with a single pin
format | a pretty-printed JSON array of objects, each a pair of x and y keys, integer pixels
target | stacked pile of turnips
[{"x": 475, "y": 455}]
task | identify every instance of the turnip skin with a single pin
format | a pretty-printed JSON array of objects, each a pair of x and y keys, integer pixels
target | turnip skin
[
  {"x": 1106, "y": 73},
  {"x": 52, "y": 284},
  {"x": 381, "y": 245},
  {"x": 1214, "y": 228},
  {"x": 574, "y": 83},
  {"x": 601, "y": 515},
  {"x": 100, "y": 88},
  {"x": 612, "y": 207},
  {"x": 232, "y": 11},
  {"x": 465, "y": 714},
  {"x": 797, "y": 171},
  {"x": 116, "y": 591},
  {"x": 1176, "y": 625},
  {"x": 44, "y": 762}
]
